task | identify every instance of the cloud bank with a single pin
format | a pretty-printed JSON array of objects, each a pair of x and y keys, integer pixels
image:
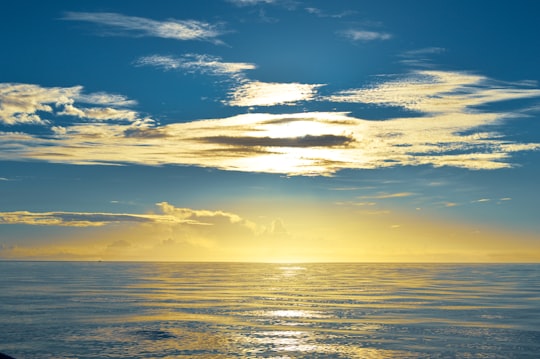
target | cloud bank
[
  {"x": 302, "y": 231},
  {"x": 447, "y": 125}
]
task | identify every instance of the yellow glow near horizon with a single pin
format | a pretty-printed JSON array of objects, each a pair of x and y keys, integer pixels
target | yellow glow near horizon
[{"x": 284, "y": 232}]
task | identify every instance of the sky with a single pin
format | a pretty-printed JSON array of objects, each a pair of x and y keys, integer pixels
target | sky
[{"x": 270, "y": 131}]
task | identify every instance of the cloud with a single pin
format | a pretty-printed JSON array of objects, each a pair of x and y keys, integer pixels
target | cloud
[
  {"x": 481, "y": 200},
  {"x": 78, "y": 219},
  {"x": 19, "y": 103},
  {"x": 256, "y": 93},
  {"x": 447, "y": 126},
  {"x": 390, "y": 195},
  {"x": 207, "y": 217},
  {"x": 309, "y": 231},
  {"x": 138, "y": 26},
  {"x": 436, "y": 92},
  {"x": 364, "y": 35},
  {"x": 247, "y": 93},
  {"x": 304, "y": 141},
  {"x": 420, "y": 57},
  {"x": 28, "y": 103},
  {"x": 104, "y": 113},
  {"x": 205, "y": 64},
  {"x": 320, "y": 13},
  {"x": 167, "y": 214},
  {"x": 317, "y": 143},
  {"x": 251, "y": 2}
]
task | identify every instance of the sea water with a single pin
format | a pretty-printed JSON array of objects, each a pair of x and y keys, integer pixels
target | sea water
[{"x": 244, "y": 310}]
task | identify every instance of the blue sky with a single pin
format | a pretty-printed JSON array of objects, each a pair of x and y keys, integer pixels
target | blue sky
[{"x": 269, "y": 130}]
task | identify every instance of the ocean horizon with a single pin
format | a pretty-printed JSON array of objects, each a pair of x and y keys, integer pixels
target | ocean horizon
[{"x": 103, "y": 309}]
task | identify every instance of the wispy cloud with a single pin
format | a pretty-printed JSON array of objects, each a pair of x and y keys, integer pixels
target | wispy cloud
[
  {"x": 73, "y": 219},
  {"x": 251, "y": 2},
  {"x": 364, "y": 35},
  {"x": 139, "y": 26},
  {"x": 168, "y": 214},
  {"x": 257, "y": 93},
  {"x": 245, "y": 93},
  {"x": 321, "y": 13},
  {"x": 437, "y": 92},
  {"x": 389, "y": 195},
  {"x": 196, "y": 63},
  {"x": 420, "y": 57},
  {"x": 27, "y": 103},
  {"x": 481, "y": 200}
]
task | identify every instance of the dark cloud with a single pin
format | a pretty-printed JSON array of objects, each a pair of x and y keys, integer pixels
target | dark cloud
[
  {"x": 302, "y": 141},
  {"x": 145, "y": 133}
]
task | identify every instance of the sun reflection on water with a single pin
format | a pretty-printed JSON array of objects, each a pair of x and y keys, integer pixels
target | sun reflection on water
[{"x": 291, "y": 310}]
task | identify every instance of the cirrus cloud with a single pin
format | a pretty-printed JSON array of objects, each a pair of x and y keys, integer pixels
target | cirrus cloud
[
  {"x": 436, "y": 92},
  {"x": 196, "y": 63},
  {"x": 364, "y": 35},
  {"x": 139, "y": 26}
]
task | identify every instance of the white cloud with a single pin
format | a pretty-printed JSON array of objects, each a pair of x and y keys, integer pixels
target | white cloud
[
  {"x": 364, "y": 35},
  {"x": 20, "y": 103},
  {"x": 256, "y": 93},
  {"x": 196, "y": 63},
  {"x": 99, "y": 113},
  {"x": 105, "y": 99},
  {"x": 436, "y": 92},
  {"x": 138, "y": 26},
  {"x": 389, "y": 195},
  {"x": 450, "y": 130},
  {"x": 320, "y": 13},
  {"x": 27, "y": 104},
  {"x": 251, "y": 2},
  {"x": 317, "y": 143}
]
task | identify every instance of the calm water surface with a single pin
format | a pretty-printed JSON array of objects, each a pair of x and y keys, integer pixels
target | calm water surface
[{"x": 219, "y": 310}]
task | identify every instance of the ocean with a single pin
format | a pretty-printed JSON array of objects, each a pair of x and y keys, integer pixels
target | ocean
[{"x": 246, "y": 310}]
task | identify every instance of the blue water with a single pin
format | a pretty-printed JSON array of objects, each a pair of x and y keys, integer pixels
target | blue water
[{"x": 209, "y": 310}]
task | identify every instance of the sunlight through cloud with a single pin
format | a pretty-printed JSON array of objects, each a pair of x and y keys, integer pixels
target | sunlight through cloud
[{"x": 256, "y": 93}]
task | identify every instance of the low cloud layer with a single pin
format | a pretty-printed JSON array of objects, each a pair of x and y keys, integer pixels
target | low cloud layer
[
  {"x": 302, "y": 231},
  {"x": 166, "y": 214}
]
